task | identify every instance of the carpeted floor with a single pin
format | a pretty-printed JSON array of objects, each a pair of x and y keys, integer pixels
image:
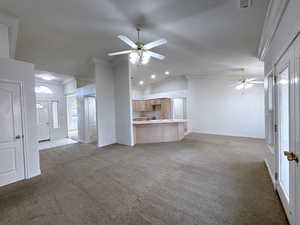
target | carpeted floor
[{"x": 203, "y": 180}]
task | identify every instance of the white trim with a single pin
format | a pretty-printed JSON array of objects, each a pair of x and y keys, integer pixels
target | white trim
[
  {"x": 271, "y": 148},
  {"x": 223, "y": 134},
  {"x": 273, "y": 18},
  {"x": 34, "y": 174},
  {"x": 104, "y": 145},
  {"x": 270, "y": 173}
]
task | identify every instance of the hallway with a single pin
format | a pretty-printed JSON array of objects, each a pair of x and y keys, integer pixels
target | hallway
[{"x": 205, "y": 179}]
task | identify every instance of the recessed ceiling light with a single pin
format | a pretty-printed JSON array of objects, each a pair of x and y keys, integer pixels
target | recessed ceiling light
[
  {"x": 153, "y": 76},
  {"x": 167, "y": 73},
  {"x": 45, "y": 76},
  {"x": 141, "y": 82}
]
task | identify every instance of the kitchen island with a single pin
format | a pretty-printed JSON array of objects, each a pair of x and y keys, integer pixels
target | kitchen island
[{"x": 156, "y": 131}]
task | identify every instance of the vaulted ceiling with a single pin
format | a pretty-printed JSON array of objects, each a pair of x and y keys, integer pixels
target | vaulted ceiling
[{"x": 204, "y": 36}]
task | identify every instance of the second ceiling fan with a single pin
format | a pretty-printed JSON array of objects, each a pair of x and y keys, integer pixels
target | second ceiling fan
[{"x": 140, "y": 53}]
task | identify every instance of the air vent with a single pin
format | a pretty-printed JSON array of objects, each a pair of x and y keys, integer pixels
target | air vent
[{"x": 244, "y": 4}]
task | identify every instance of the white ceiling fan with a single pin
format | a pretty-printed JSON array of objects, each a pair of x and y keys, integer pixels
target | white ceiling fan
[
  {"x": 139, "y": 52},
  {"x": 246, "y": 83}
]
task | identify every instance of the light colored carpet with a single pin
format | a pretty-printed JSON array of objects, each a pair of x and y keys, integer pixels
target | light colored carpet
[{"x": 203, "y": 180}]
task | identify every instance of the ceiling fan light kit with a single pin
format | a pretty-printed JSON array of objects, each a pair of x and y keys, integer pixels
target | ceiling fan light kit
[
  {"x": 139, "y": 56},
  {"x": 139, "y": 53}
]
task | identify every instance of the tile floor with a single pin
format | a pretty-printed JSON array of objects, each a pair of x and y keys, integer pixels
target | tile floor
[{"x": 56, "y": 143}]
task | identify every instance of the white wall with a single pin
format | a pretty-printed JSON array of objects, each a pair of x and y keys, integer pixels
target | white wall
[
  {"x": 113, "y": 99},
  {"x": 58, "y": 95},
  {"x": 4, "y": 41},
  {"x": 123, "y": 106},
  {"x": 137, "y": 93},
  {"x": 105, "y": 103},
  {"x": 24, "y": 72},
  {"x": 70, "y": 87},
  {"x": 216, "y": 107},
  {"x": 169, "y": 85},
  {"x": 173, "y": 87}
]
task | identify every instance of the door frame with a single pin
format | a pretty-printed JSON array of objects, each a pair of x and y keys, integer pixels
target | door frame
[
  {"x": 286, "y": 61},
  {"x": 25, "y": 149}
]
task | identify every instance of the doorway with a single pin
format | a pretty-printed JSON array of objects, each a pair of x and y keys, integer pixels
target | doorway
[
  {"x": 11, "y": 135},
  {"x": 90, "y": 112},
  {"x": 43, "y": 120},
  {"x": 72, "y": 116}
]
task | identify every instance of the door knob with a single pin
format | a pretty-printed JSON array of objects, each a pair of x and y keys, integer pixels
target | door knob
[
  {"x": 291, "y": 156},
  {"x": 18, "y": 137}
]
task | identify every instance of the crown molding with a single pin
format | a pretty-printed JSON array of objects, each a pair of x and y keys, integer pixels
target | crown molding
[
  {"x": 13, "y": 26},
  {"x": 273, "y": 18}
]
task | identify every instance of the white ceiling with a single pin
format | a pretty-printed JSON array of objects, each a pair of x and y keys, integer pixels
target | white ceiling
[
  {"x": 57, "y": 78},
  {"x": 204, "y": 36}
]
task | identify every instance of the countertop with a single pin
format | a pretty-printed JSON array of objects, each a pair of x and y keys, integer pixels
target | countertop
[{"x": 158, "y": 121}]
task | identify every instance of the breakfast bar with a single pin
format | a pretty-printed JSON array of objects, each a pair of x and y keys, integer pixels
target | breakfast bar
[{"x": 156, "y": 131}]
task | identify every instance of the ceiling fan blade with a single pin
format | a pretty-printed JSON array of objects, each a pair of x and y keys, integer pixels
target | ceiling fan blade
[
  {"x": 256, "y": 82},
  {"x": 119, "y": 53},
  {"x": 128, "y": 41},
  {"x": 155, "y": 43},
  {"x": 234, "y": 84},
  {"x": 156, "y": 55}
]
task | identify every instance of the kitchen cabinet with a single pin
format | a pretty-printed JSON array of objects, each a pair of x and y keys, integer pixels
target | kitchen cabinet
[
  {"x": 166, "y": 108},
  {"x": 156, "y": 101},
  {"x": 148, "y": 106},
  {"x": 138, "y": 106},
  {"x": 142, "y": 106}
]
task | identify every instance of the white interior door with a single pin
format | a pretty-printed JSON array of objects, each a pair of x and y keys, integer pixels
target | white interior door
[
  {"x": 91, "y": 118},
  {"x": 11, "y": 135},
  {"x": 43, "y": 120},
  {"x": 285, "y": 138}
]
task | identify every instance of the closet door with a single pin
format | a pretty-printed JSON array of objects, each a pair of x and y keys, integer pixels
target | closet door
[{"x": 11, "y": 134}]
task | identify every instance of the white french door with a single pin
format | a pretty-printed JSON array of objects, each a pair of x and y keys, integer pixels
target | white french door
[
  {"x": 286, "y": 138},
  {"x": 43, "y": 120},
  {"x": 297, "y": 129},
  {"x": 11, "y": 135}
]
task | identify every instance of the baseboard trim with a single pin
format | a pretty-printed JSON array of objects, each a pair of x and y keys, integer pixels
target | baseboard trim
[
  {"x": 103, "y": 145},
  {"x": 224, "y": 134},
  {"x": 270, "y": 174},
  {"x": 38, "y": 173}
]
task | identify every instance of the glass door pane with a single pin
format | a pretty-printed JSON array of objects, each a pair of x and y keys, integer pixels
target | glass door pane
[{"x": 283, "y": 129}]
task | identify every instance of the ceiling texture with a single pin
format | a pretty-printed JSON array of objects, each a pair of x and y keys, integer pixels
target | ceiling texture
[{"x": 204, "y": 36}]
